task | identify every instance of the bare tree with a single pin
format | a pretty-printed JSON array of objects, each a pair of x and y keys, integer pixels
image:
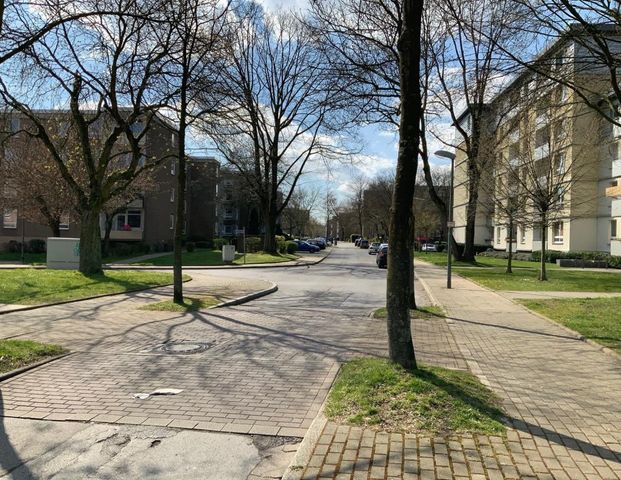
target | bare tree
[
  {"x": 281, "y": 109},
  {"x": 104, "y": 68},
  {"x": 377, "y": 202},
  {"x": 468, "y": 70},
  {"x": 358, "y": 187},
  {"x": 298, "y": 213},
  {"x": 374, "y": 50},
  {"x": 197, "y": 31}
]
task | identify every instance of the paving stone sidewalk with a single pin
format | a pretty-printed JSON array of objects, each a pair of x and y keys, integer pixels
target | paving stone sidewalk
[{"x": 561, "y": 397}]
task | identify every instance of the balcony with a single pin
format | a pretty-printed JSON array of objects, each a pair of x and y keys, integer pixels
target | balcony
[{"x": 614, "y": 192}]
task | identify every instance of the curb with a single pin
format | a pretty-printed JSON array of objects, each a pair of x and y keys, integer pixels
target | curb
[
  {"x": 305, "y": 451},
  {"x": 248, "y": 298},
  {"x": 94, "y": 297},
  {"x": 19, "y": 371},
  {"x": 306, "y": 448}
]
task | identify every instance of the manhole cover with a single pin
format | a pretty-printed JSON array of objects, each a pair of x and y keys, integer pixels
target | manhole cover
[{"x": 183, "y": 348}]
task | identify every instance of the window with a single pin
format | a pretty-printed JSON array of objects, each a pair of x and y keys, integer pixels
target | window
[
  {"x": 557, "y": 232},
  {"x": 172, "y": 195},
  {"x": 560, "y": 164},
  {"x": 173, "y": 166},
  {"x": 9, "y": 219},
  {"x": 613, "y": 228},
  {"x": 128, "y": 221},
  {"x": 564, "y": 92},
  {"x": 15, "y": 124},
  {"x": 172, "y": 222},
  {"x": 228, "y": 229},
  {"x": 228, "y": 213},
  {"x": 64, "y": 222},
  {"x": 173, "y": 138},
  {"x": 498, "y": 233},
  {"x": 522, "y": 234}
]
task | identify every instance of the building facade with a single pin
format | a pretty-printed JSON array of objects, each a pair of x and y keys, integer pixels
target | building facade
[
  {"x": 547, "y": 148},
  {"x": 148, "y": 218}
]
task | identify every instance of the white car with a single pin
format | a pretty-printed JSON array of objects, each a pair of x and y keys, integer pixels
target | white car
[{"x": 430, "y": 247}]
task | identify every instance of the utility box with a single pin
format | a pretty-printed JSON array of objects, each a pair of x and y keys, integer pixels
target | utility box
[
  {"x": 63, "y": 253},
  {"x": 228, "y": 253}
]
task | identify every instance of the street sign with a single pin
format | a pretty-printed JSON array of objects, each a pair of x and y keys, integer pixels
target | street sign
[{"x": 450, "y": 224}]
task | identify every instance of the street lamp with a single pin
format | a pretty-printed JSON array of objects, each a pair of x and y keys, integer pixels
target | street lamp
[{"x": 450, "y": 224}]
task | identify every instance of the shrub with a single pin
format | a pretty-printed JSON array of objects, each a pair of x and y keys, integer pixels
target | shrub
[
  {"x": 36, "y": 245},
  {"x": 253, "y": 244},
  {"x": 13, "y": 246},
  {"x": 292, "y": 247},
  {"x": 219, "y": 242},
  {"x": 190, "y": 247},
  {"x": 204, "y": 244}
]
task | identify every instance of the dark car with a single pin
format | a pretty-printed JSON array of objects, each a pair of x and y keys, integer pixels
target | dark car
[
  {"x": 382, "y": 257},
  {"x": 363, "y": 244},
  {"x": 307, "y": 247}
]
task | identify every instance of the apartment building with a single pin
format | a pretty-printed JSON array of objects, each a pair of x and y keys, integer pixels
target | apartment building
[
  {"x": 150, "y": 216},
  {"x": 547, "y": 143}
]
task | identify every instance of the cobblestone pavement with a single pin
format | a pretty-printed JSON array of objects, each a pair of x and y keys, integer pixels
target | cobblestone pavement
[
  {"x": 561, "y": 397},
  {"x": 267, "y": 368}
]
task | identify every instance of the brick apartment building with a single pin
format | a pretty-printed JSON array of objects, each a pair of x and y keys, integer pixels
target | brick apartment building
[{"x": 150, "y": 217}]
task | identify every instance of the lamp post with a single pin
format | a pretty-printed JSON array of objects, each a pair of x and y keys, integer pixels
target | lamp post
[{"x": 450, "y": 224}]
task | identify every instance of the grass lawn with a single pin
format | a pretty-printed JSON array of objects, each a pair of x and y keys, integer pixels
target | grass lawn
[
  {"x": 439, "y": 259},
  {"x": 421, "y": 312},
  {"x": 31, "y": 287},
  {"x": 190, "y": 304},
  {"x": 19, "y": 353},
  {"x": 204, "y": 257},
  {"x": 558, "y": 280},
  {"x": 41, "y": 258},
  {"x": 376, "y": 393},
  {"x": 595, "y": 318}
]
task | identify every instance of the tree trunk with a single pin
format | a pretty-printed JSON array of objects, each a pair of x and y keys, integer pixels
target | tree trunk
[
  {"x": 54, "y": 227},
  {"x": 90, "y": 242},
  {"x": 269, "y": 223},
  {"x": 543, "y": 275},
  {"x": 179, "y": 227},
  {"x": 107, "y": 233},
  {"x": 400, "y": 345},
  {"x": 471, "y": 215},
  {"x": 412, "y": 300},
  {"x": 510, "y": 256}
]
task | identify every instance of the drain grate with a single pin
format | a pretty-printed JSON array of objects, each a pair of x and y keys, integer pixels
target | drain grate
[{"x": 182, "y": 347}]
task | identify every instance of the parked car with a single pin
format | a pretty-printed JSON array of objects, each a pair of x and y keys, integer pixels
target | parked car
[
  {"x": 430, "y": 247},
  {"x": 363, "y": 244},
  {"x": 307, "y": 247},
  {"x": 320, "y": 242},
  {"x": 373, "y": 248},
  {"x": 357, "y": 242},
  {"x": 382, "y": 257}
]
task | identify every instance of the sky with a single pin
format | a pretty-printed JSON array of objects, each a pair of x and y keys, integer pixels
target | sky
[{"x": 378, "y": 145}]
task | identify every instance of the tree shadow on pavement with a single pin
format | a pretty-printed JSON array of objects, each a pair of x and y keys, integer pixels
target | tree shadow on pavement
[{"x": 9, "y": 458}]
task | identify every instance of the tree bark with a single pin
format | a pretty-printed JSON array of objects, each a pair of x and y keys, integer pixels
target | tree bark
[
  {"x": 471, "y": 216},
  {"x": 269, "y": 241},
  {"x": 400, "y": 345},
  {"x": 179, "y": 224},
  {"x": 510, "y": 256},
  {"x": 543, "y": 274},
  {"x": 107, "y": 233},
  {"x": 90, "y": 242}
]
